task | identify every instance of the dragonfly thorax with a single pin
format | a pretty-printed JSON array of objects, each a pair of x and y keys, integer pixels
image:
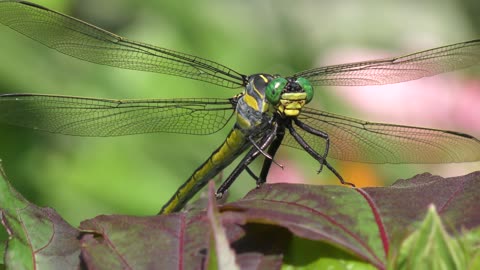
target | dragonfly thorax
[{"x": 253, "y": 109}]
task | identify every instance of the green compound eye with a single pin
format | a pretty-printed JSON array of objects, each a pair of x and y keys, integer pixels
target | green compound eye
[
  {"x": 274, "y": 90},
  {"x": 307, "y": 87}
]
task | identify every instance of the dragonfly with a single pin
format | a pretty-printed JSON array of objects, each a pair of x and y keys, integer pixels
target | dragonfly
[{"x": 270, "y": 110}]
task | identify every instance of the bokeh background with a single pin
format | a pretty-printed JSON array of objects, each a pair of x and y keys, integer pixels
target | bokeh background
[{"x": 85, "y": 177}]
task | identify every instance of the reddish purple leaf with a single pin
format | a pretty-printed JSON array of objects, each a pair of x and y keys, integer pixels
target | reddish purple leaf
[
  {"x": 407, "y": 201},
  {"x": 176, "y": 241},
  {"x": 361, "y": 221},
  {"x": 335, "y": 214},
  {"x": 259, "y": 228}
]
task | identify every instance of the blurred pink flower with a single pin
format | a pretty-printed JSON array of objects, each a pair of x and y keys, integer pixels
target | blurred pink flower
[
  {"x": 467, "y": 111},
  {"x": 291, "y": 173},
  {"x": 445, "y": 101}
]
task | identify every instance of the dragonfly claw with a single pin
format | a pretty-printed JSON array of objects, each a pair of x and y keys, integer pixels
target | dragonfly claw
[
  {"x": 278, "y": 164},
  {"x": 218, "y": 195},
  {"x": 349, "y": 184},
  {"x": 320, "y": 169}
]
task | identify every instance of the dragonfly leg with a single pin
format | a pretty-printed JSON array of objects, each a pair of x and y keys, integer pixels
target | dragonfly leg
[
  {"x": 319, "y": 133},
  {"x": 249, "y": 157},
  {"x": 272, "y": 150},
  {"x": 315, "y": 155},
  {"x": 266, "y": 155},
  {"x": 252, "y": 174},
  {"x": 337, "y": 174}
]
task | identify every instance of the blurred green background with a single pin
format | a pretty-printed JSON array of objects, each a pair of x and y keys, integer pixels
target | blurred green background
[{"x": 85, "y": 177}]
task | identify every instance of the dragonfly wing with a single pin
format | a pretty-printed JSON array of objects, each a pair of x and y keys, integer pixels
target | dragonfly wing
[
  {"x": 356, "y": 140},
  {"x": 90, "y": 43},
  {"x": 108, "y": 117},
  {"x": 398, "y": 69}
]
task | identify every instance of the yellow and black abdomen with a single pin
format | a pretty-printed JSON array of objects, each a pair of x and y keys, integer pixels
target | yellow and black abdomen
[
  {"x": 253, "y": 115},
  {"x": 231, "y": 148}
]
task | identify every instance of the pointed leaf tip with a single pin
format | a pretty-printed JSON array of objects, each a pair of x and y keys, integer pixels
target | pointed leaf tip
[{"x": 430, "y": 247}]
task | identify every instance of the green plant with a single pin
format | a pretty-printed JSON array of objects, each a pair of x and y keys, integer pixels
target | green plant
[{"x": 427, "y": 220}]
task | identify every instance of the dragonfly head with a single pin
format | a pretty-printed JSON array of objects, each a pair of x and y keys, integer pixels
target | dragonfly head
[{"x": 289, "y": 95}]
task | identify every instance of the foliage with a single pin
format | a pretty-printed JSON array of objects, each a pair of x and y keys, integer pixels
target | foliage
[{"x": 426, "y": 220}]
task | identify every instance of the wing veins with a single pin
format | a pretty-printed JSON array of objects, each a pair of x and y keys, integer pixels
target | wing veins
[{"x": 49, "y": 23}]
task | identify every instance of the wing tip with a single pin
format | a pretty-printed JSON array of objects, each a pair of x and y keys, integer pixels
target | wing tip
[{"x": 31, "y": 4}]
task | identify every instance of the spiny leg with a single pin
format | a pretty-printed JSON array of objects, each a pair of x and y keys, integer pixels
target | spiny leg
[
  {"x": 249, "y": 157},
  {"x": 272, "y": 150},
  {"x": 337, "y": 174},
  {"x": 266, "y": 155},
  {"x": 252, "y": 174},
  {"x": 267, "y": 162},
  {"x": 314, "y": 154},
  {"x": 318, "y": 133}
]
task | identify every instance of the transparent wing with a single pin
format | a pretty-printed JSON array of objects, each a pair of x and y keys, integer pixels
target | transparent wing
[
  {"x": 108, "y": 117},
  {"x": 356, "y": 140},
  {"x": 398, "y": 69},
  {"x": 90, "y": 43}
]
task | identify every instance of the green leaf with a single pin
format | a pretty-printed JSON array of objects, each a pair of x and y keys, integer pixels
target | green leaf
[
  {"x": 430, "y": 247},
  {"x": 2, "y": 252},
  {"x": 470, "y": 241},
  {"x": 37, "y": 236},
  {"x": 275, "y": 226},
  {"x": 307, "y": 254}
]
